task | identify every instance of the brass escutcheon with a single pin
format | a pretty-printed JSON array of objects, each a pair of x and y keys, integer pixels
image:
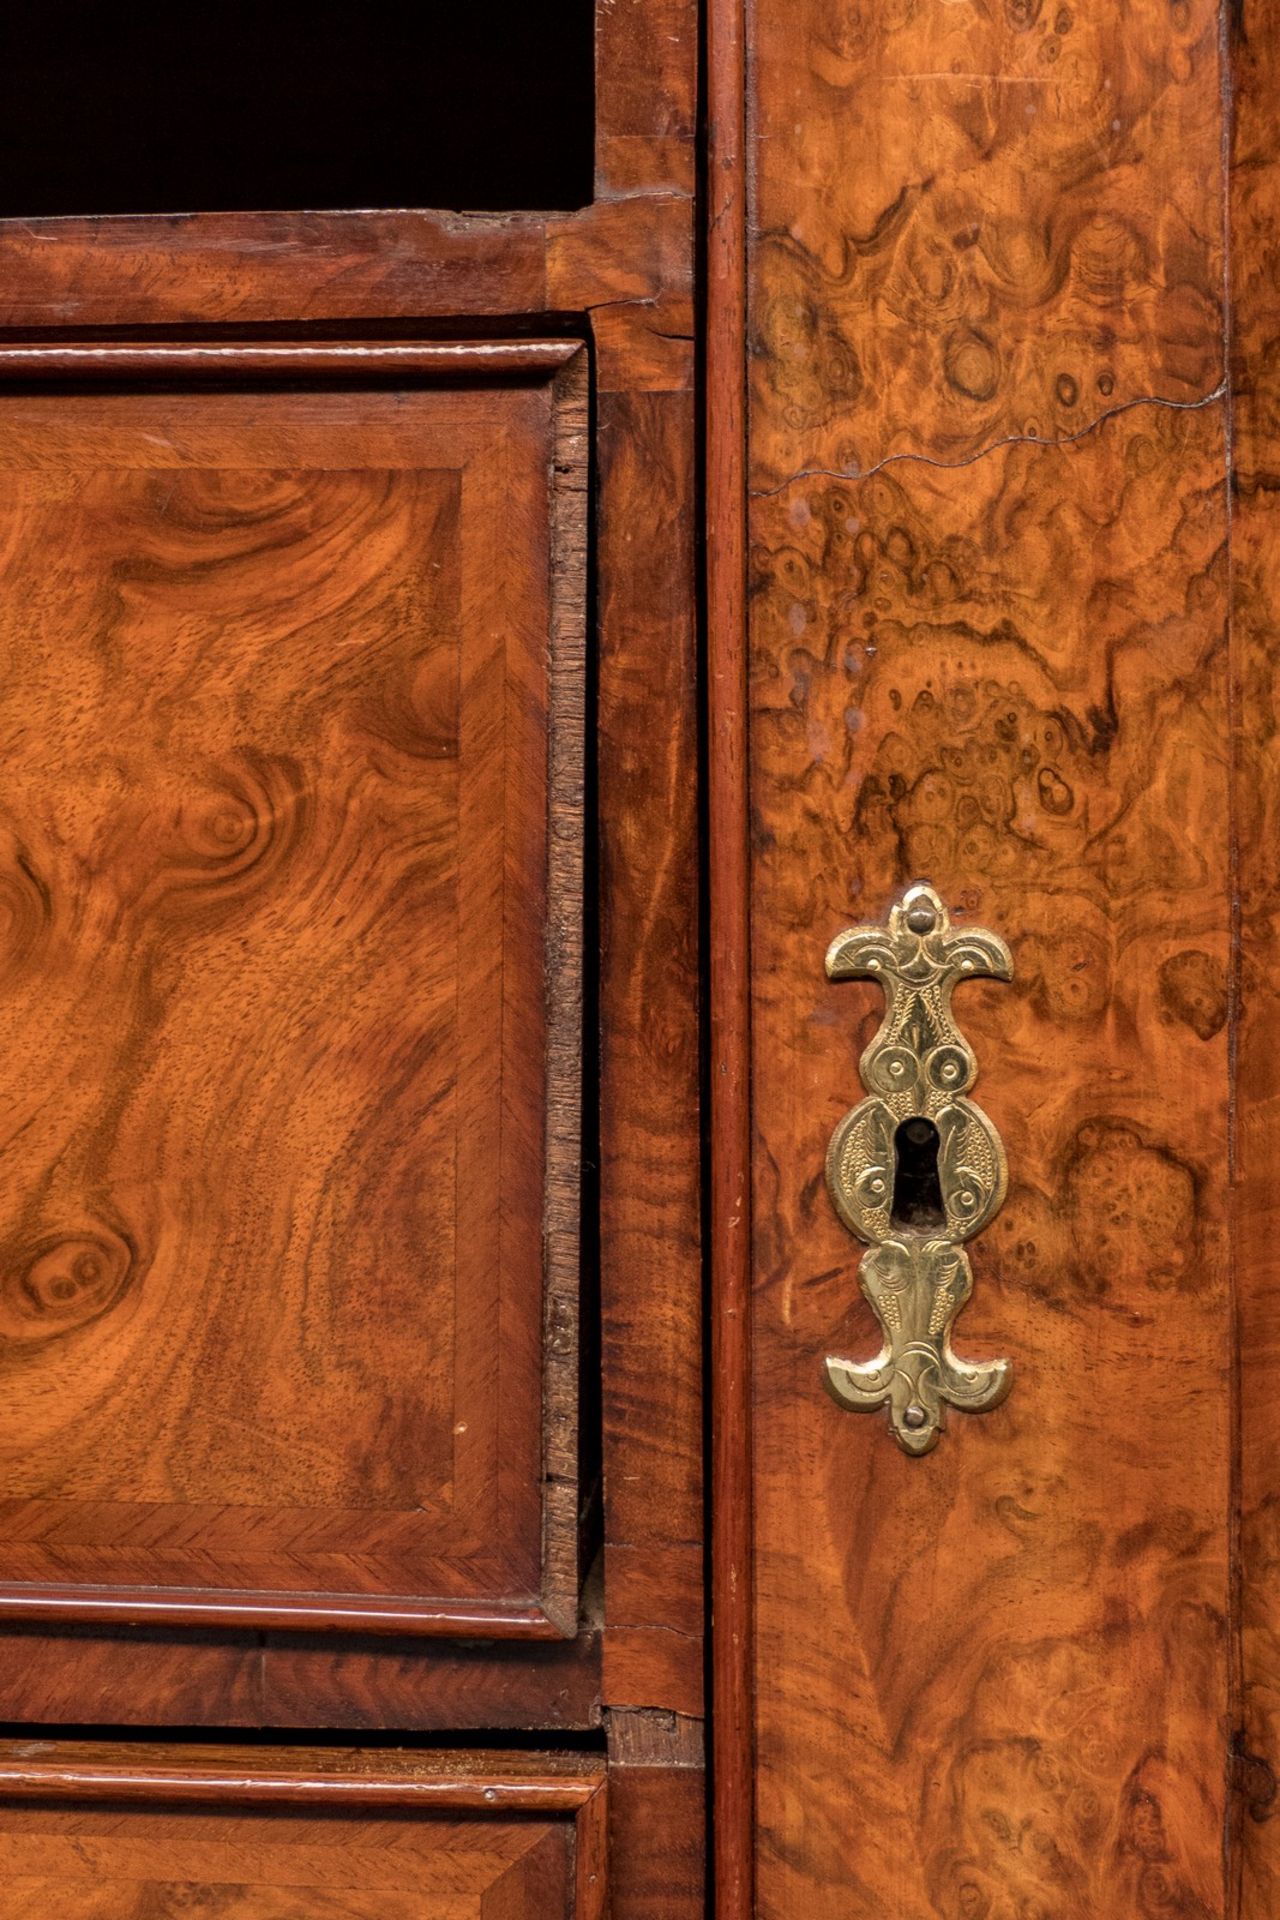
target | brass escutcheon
[{"x": 917, "y": 1168}]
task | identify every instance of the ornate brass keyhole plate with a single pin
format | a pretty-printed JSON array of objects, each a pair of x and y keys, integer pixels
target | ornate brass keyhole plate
[{"x": 917, "y": 1168}]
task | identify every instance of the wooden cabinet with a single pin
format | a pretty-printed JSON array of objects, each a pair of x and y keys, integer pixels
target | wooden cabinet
[
  {"x": 1004, "y": 456},
  {"x": 513, "y": 725}
]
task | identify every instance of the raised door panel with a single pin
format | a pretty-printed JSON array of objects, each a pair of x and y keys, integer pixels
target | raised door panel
[
  {"x": 291, "y": 735},
  {"x": 139, "y": 1833}
]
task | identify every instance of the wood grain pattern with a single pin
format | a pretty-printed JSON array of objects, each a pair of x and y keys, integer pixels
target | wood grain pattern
[
  {"x": 306, "y": 269},
  {"x": 308, "y": 1680},
  {"x": 132, "y": 1676},
  {"x": 729, "y": 969},
  {"x": 1255, "y": 594},
  {"x": 277, "y": 939},
  {"x": 652, "y": 1350},
  {"x": 656, "y": 1791},
  {"x": 977, "y": 222},
  {"x": 1000, "y": 1675},
  {"x": 646, "y": 70},
  {"x": 100, "y": 1833},
  {"x": 647, "y": 742},
  {"x": 990, "y": 590}
]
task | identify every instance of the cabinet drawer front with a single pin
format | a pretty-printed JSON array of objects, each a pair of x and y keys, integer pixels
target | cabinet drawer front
[
  {"x": 290, "y": 827},
  {"x": 136, "y": 1833}
]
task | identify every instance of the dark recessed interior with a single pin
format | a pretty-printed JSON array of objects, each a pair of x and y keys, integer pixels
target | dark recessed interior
[
  {"x": 917, "y": 1187},
  {"x": 172, "y": 108}
]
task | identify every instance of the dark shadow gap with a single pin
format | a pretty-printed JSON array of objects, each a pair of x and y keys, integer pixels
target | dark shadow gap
[
  {"x": 160, "y": 109},
  {"x": 589, "y": 1740}
]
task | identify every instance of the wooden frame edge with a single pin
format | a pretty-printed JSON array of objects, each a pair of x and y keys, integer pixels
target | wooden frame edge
[
  {"x": 568, "y": 489},
  {"x": 591, "y": 1855},
  {"x": 732, "y": 1772},
  {"x": 490, "y": 1783},
  {"x": 286, "y": 359},
  {"x": 271, "y": 1612}
]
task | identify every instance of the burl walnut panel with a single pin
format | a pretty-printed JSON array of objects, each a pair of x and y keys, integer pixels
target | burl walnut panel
[
  {"x": 976, "y": 222},
  {"x": 1255, "y": 580},
  {"x": 991, "y": 586},
  {"x": 290, "y": 729},
  {"x": 999, "y": 1674}
]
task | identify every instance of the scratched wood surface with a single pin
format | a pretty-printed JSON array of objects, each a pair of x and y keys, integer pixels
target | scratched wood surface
[
  {"x": 994, "y": 1682},
  {"x": 274, "y": 726},
  {"x": 1255, "y": 550}
]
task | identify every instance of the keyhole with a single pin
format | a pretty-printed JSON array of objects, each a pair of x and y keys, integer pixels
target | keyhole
[{"x": 917, "y": 1190}]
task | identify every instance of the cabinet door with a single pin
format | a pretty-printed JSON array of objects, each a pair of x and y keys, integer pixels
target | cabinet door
[
  {"x": 290, "y": 823},
  {"x": 149, "y": 1833},
  {"x": 1013, "y": 569}
]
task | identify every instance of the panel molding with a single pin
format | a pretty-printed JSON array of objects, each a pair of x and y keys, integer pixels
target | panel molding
[
  {"x": 164, "y": 1774},
  {"x": 561, "y": 364},
  {"x": 423, "y": 360},
  {"x": 131, "y": 1780}
]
